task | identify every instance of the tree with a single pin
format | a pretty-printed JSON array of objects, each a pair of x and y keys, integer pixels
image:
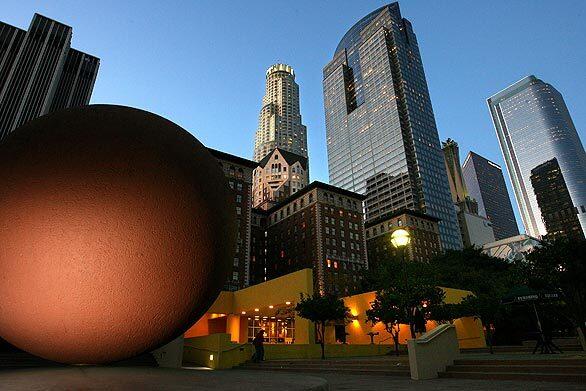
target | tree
[
  {"x": 488, "y": 278},
  {"x": 472, "y": 270},
  {"x": 322, "y": 310},
  {"x": 447, "y": 312},
  {"x": 392, "y": 307},
  {"x": 561, "y": 265},
  {"x": 388, "y": 308},
  {"x": 402, "y": 285},
  {"x": 487, "y": 309}
]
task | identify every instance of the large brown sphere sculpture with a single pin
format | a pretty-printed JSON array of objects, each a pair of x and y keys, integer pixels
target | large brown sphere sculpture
[{"x": 116, "y": 231}]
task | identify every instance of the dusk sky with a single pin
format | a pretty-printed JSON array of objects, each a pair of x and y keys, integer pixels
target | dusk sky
[{"x": 202, "y": 63}]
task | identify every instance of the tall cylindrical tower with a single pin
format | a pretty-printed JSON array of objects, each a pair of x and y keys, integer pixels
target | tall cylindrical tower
[{"x": 279, "y": 121}]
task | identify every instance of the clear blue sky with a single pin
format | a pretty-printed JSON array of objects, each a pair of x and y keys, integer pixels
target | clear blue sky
[{"x": 201, "y": 63}]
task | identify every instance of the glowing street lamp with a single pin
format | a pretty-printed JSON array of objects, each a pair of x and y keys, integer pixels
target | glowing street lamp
[{"x": 400, "y": 238}]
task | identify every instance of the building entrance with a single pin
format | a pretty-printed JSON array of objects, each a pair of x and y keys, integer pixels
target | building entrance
[{"x": 277, "y": 330}]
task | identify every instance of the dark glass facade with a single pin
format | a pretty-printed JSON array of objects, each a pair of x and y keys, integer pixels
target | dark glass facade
[
  {"x": 533, "y": 126},
  {"x": 380, "y": 125},
  {"x": 485, "y": 183},
  {"x": 559, "y": 214},
  {"x": 40, "y": 73}
]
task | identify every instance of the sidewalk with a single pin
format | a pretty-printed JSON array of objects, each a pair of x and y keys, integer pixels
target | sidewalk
[
  {"x": 363, "y": 383},
  {"x": 144, "y": 378}
]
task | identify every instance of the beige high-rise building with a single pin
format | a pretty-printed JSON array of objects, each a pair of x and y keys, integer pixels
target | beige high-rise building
[
  {"x": 278, "y": 175},
  {"x": 279, "y": 121},
  {"x": 455, "y": 177},
  {"x": 476, "y": 230}
]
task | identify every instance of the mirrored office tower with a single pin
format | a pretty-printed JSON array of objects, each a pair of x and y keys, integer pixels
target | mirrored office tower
[
  {"x": 533, "y": 126},
  {"x": 40, "y": 73},
  {"x": 381, "y": 134}
]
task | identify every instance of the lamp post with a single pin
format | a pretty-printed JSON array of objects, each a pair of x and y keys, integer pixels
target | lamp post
[{"x": 400, "y": 239}]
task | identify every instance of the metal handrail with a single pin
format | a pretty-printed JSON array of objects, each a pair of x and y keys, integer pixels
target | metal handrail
[
  {"x": 213, "y": 350},
  {"x": 431, "y": 335}
]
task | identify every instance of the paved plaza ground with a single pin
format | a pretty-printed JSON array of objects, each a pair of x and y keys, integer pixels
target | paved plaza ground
[
  {"x": 141, "y": 378},
  {"x": 89, "y": 378},
  {"x": 392, "y": 383}
]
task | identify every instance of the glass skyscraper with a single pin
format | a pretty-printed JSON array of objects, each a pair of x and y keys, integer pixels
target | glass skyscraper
[
  {"x": 40, "y": 72},
  {"x": 533, "y": 126},
  {"x": 486, "y": 184},
  {"x": 381, "y": 133}
]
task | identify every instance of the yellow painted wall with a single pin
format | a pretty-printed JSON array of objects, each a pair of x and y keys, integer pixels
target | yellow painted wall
[
  {"x": 469, "y": 330},
  {"x": 230, "y": 307},
  {"x": 276, "y": 293}
]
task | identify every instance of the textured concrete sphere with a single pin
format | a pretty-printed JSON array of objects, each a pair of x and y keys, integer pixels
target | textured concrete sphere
[{"x": 117, "y": 228}]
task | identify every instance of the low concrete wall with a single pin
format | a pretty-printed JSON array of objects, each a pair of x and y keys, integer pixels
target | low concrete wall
[
  {"x": 433, "y": 352},
  {"x": 171, "y": 354},
  {"x": 216, "y": 351}
]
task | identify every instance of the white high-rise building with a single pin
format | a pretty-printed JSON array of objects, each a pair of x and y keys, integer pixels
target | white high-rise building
[{"x": 279, "y": 121}]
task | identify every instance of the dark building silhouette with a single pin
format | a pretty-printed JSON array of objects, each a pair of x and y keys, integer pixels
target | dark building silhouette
[
  {"x": 258, "y": 246},
  {"x": 486, "y": 184},
  {"x": 40, "y": 73},
  {"x": 558, "y": 212},
  {"x": 238, "y": 172}
]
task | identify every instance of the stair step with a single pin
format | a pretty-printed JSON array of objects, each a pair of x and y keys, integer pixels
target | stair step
[
  {"x": 518, "y": 369},
  {"x": 551, "y": 362},
  {"x": 338, "y": 362},
  {"x": 351, "y": 364},
  {"x": 340, "y": 367},
  {"x": 519, "y": 349},
  {"x": 383, "y": 372},
  {"x": 550, "y": 377}
]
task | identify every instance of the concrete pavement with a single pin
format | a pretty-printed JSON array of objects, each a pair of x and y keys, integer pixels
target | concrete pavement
[
  {"x": 145, "y": 378},
  {"x": 362, "y": 383}
]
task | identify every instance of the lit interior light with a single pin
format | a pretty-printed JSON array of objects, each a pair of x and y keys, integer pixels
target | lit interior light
[
  {"x": 271, "y": 307},
  {"x": 243, "y": 312},
  {"x": 211, "y": 357},
  {"x": 256, "y": 310},
  {"x": 288, "y": 303}
]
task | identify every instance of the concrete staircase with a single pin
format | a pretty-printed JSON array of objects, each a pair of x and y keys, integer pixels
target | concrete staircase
[
  {"x": 552, "y": 370},
  {"x": 396, "y": 366},
  {"x": 569, "y": 344}
]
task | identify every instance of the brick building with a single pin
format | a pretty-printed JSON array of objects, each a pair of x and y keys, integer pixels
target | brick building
[
  {"x": 238, "y": 172},
  {"x": 424, "y": 230},
  {"x": 258, "y": 246},
  {"x": 319, "y": 227}
]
